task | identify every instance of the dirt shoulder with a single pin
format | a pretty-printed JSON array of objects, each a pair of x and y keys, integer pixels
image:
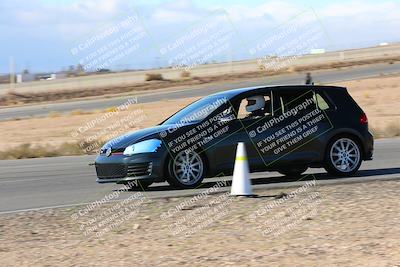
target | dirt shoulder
[
  {"x": 100, "y": 88},
  {"x": 78, "y": 126},
  {"x": 379, "y": 97},
  {"x": 346, "y": 225}
]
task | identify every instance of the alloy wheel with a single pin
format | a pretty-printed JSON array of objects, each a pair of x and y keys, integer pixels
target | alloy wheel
[
  {"x": 345, "y": 155},
  {"x": 188, "y": 167}
]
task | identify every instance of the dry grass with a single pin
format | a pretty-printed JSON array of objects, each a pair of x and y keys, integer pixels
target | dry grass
[
  {"x": 110, "y": 109},
  {"x": 54, "y": 114},
  {"x": 154, "y": 77},
  {"x": 79, "y": 112},
  {"x": 390, "y": 130},
  {"x": 379, "y": 97},
  {"x": 393, "y": 129},
  {"x": 26, "y": 151},
  {"x": 377, "y": 133},
  {"x": 158, "y": 82},
  {"x": 185, "y": 74},
  {"x": 55, "y": 131}
]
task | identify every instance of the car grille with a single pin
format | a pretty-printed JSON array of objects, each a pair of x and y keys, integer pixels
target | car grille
[
  {"x": 111, "y": 171},
  {"x": 116, "y": 171},
  {"x": 140, "y": 169}
]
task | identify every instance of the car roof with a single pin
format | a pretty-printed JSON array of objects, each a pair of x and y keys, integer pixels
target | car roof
[{"x": 238, "y": 91}]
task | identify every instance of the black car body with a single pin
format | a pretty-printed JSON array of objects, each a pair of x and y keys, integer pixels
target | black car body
[{"x": 297, "y": 127}]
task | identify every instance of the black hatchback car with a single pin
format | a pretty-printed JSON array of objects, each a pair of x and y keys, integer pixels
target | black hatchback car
[{"x": 285, "y": 128}]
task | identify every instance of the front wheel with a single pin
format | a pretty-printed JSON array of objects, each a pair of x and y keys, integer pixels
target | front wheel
[
  {"x": 186, "y": 170},
  {"x": 343, "y": 157}
]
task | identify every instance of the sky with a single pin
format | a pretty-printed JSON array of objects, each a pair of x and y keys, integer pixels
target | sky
[{"x": 40, "y": 35}]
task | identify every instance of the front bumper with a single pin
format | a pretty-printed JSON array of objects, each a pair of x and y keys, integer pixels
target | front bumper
[{"x": 122, "y": 169}]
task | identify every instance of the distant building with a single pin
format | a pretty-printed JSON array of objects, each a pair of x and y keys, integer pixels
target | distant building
[
  {"x": 55, "y": 76},
  {"x": 25, "y": 77}
]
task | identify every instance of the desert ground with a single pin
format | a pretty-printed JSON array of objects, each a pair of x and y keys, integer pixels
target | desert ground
[
  {"x": 353, "y": 57},
  {"x": 379, "y": 97},
  {"x": 336, "y": 225}
]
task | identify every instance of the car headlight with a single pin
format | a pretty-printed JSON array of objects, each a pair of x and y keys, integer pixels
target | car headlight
[{"x": 147, "y": 146}]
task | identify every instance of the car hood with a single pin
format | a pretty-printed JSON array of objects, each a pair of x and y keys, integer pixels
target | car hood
[{"x": 136, "y": 136}]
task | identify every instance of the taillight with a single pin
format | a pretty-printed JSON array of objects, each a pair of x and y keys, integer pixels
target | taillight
[{"x": 363, "y": 119}]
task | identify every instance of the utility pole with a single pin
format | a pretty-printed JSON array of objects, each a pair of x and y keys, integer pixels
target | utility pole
[
  {"x": 230, "y": 58},
  {"x": 12, "y": 72}
]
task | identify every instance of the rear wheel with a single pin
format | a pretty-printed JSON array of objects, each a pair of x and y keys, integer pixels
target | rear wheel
[
  {"x": 293, "y": 172},
  {"x": 343, "y": 156},
  {"x": 186, "y": 170}
]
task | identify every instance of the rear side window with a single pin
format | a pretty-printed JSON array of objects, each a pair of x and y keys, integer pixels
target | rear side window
[
  {"x": 292, "y": 99},
  {"x": 321, "y": 102}
]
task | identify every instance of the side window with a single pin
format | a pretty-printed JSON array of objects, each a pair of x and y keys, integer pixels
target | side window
[
  {"x": 322, "y": 104},
  {"x": 256, "y": 106},
  {"x": 289, "y": 100}
]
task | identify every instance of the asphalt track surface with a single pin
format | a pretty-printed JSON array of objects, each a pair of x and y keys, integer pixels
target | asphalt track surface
[
  {"x": 33, "y": 184},
  {"x": 327, "y": 76}
]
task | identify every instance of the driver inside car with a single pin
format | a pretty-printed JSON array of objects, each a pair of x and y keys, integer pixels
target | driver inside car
[{"x": 256, "y": 105}]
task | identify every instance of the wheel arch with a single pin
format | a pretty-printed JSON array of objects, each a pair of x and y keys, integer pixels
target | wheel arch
[
  {"x": 203, "y": 155},
  {"x": 346, "y": 133}
]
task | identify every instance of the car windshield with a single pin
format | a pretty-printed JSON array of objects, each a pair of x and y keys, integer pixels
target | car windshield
[{"x": 198, "y": 110}]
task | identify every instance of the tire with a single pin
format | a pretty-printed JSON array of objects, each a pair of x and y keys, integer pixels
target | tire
[
  {"x": 186, "y": 170},
  {"x": 343, "y": 156},
  {"x": 293, "y": 172}
]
